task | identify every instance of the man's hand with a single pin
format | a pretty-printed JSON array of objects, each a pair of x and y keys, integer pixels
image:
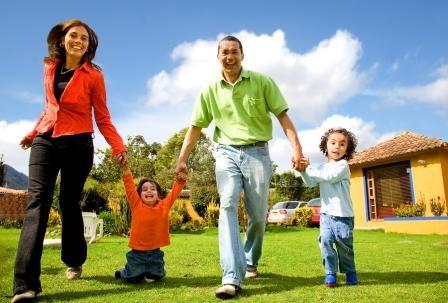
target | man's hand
[
  {"x": 181, "y": 172},
  {"x": 299, "y": 162}
]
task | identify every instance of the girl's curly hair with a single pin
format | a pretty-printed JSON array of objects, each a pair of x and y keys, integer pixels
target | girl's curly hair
[{"x": 352, "y": 142}]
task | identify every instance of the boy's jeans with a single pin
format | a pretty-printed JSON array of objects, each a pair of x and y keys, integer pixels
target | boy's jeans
[
  {"x": 141, "y": 264},
  {"x": 337, "y": 230},
  {"x": 246, "y": 168}
]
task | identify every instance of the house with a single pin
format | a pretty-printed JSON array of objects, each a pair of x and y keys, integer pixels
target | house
[{"x": 406, "y": 169}]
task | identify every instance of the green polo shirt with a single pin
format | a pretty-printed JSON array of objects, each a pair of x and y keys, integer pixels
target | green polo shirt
[{"x": 241, "y": 111}]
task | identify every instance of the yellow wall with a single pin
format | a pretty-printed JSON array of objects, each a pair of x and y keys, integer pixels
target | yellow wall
[{"x": 429, "y": 180}]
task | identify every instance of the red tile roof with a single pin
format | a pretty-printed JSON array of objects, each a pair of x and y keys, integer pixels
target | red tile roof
[{"x": 405, "y": 144}]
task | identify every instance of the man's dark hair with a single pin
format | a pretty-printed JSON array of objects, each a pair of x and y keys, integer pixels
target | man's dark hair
[{"x": 231, "y": 38}]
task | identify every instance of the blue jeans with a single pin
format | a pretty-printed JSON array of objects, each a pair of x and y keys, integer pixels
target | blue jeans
[
  {"x": 247, "y": 169},
  {"x": 339, "y": 231},
  {"x": 141, "y": 264}
]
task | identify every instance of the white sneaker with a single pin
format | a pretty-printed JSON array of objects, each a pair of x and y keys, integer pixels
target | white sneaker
[
  {"x": 73, "y": 273},
  {"x": 227, "y": 291},
  {"x": 251, "y": 274},
  {"x": 27, "y": 295}
]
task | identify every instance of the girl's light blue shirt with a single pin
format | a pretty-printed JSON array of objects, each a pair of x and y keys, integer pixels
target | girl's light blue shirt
[{"x": 334, "y": 182}]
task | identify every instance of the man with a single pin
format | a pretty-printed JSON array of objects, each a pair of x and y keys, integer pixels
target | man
[{"x": 240, "y": 103}]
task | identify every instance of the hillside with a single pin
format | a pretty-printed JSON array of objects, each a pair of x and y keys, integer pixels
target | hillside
[{"x": 14, "y": 179}]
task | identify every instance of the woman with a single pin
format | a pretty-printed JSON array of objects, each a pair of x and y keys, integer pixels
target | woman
[{"x": 61, "y": 141}]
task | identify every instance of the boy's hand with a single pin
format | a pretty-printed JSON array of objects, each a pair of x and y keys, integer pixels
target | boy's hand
[{"x": 124, "y": 167}]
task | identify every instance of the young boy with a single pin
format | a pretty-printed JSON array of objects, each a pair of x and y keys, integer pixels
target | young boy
[
  {"x": 337, "y": 216},
  {"x": 149, "y": 226}
]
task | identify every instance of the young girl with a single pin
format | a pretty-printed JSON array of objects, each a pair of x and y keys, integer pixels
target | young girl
[
  {"x": 336, "y": 218},
  {"x": 149, "y": 226}
]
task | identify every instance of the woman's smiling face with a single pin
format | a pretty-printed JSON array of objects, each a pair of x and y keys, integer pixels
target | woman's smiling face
[{"x": 76, "y": 42}]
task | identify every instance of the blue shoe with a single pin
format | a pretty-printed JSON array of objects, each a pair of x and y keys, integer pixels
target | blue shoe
[
  {"x": 330, "y": 280},
  {"x": 351, "y": 279}
]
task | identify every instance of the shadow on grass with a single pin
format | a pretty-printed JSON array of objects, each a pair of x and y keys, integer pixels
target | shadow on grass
[{"x": 268, "y": 283}]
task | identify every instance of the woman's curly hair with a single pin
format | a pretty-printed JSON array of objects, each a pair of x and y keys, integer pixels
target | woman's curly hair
[{"x": 352, "y": 142}]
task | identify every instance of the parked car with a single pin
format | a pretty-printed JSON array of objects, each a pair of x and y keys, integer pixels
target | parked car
[
  {"x": 283, "y": 212},
  {"x": 315, "y": 205}
]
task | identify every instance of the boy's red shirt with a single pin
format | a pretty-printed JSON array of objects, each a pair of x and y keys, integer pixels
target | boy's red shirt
[
  {"x": 150, "y": 227},
  {"x": 73, "y": 113}
]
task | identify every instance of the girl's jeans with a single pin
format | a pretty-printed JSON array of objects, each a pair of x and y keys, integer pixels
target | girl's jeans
[
  {"x": 248, "y": 169},
  {"x": 339, "y": 231}
]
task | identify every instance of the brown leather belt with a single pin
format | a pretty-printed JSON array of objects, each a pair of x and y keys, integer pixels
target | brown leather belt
[{"x": 255, "y": 144}]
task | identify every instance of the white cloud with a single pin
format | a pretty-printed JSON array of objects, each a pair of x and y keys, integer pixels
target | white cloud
[
  {"x": 325, "y": 76},
  {"x": 435, "y": 92},
  {"x": 10, "y": 136},
  {"x": 364, "y": 131}
]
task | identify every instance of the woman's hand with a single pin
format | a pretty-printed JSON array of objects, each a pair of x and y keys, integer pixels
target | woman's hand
[
  {"x": 26, "y": 143},
  {"x": 121, "y": 158}
]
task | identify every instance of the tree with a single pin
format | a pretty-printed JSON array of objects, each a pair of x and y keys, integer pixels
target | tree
[
  {"x": 288, "y": 184},
  {"x": 141, "y": 156},
  {"x": 201, "y": 163},
  {"x": 2, "y": 170}
]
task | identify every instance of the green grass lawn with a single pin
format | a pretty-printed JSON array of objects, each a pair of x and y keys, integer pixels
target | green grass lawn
[{"x": 391, "y": 268}]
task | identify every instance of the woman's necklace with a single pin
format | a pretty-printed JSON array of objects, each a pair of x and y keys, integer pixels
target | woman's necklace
[{"x": 66, "y": 71}]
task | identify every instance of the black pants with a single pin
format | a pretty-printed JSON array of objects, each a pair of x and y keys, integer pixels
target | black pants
[{"x": 72, "y": 156}]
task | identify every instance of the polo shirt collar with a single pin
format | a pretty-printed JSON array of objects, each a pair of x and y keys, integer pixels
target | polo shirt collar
[{"x": 244, "y": 74}]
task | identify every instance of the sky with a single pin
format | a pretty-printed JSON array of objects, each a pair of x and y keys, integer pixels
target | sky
[{"x": 377, "y": 68}]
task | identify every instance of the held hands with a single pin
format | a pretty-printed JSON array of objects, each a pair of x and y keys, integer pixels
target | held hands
[
  {"x": 121, "y": 159},
  {"x": 300, "y": 164},
  {"x": 181, "y": 173}
]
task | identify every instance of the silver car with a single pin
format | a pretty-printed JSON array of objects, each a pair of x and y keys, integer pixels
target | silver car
[{"x": 283, "y": 212}]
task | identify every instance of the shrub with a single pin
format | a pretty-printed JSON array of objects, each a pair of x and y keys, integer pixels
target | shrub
[
  {"x": 120, "y": 209},
  {"x": 302, "y": 217},
  {"x": 404, "y": 210},
  {"x": 419, "y": 209},
  {"x": 407, "y": 210},
  {"x": 437, "y": 206},
  {"x": 175, "y": 220},
  {"x": 193, "y": 225},
  {"x": 242, "y": 215},
  {"x": 181, "y": 208},
  {"x": 11, "y": 223},
  {"x": 54, "y": 219},
  {"x": 201, "y": 196},
  {"x": 109, "y": 222},
  {"x": 212, "y": 214}
]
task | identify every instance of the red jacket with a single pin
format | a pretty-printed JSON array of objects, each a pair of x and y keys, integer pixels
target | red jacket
[{"x": 73, "y": 113}]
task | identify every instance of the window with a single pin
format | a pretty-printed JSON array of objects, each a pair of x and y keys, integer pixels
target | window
[{"x": 387, "y": 187}]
